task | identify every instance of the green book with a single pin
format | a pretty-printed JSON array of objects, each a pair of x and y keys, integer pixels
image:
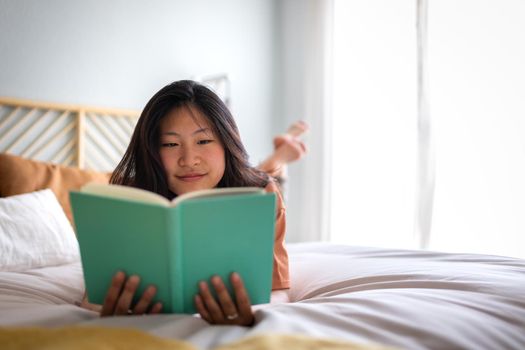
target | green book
[{"x": 175, "y": 245}]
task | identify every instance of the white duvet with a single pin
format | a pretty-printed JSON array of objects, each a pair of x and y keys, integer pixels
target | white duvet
[{"x": 406, "y": 299}]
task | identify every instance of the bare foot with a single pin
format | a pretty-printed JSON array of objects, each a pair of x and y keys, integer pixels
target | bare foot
[
  {"x": 288, "y": 148},
  {"x": 298, "y": 128}
]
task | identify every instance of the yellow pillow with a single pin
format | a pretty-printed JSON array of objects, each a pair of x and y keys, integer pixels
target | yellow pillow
[{"x": 19, "y": 175}]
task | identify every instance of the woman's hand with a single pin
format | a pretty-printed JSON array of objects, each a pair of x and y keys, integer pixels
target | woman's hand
[
  {"x": 225, "y": 311},
  {"x": 120, "y": 295}
]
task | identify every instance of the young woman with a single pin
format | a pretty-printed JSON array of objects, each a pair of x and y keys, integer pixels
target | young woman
[{"x": 185, "y": 140}]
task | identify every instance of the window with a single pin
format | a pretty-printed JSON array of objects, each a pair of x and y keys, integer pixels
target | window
[
  {"x": 374, "y": 123},
  {"x": 476, "y": 88},
  {"x": 476, "y": 51}
]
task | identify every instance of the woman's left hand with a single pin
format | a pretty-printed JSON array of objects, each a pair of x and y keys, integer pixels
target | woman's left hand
[{"x": 225, "y": 310}]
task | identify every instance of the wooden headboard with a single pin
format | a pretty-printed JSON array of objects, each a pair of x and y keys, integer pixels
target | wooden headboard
[{"x": 88, "y": 137}]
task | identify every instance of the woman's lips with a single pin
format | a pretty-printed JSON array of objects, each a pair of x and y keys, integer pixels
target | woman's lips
[{"x": 191, "y": 177}]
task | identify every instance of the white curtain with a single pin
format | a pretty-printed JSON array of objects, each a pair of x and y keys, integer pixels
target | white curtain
[
  {"x": 425, "y": 148},
  {"x": 306, "y": 39}
]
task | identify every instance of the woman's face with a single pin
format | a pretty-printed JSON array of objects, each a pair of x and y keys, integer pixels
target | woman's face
[{"x": 191, "y": 154}]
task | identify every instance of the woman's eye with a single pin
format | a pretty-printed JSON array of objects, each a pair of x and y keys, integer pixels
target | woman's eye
[
  {"x": 204, "y": 142},
  {"x": 170, "y": 144}
]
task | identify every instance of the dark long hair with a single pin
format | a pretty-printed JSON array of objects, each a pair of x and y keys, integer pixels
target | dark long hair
[{"x": 141, "y": 165}]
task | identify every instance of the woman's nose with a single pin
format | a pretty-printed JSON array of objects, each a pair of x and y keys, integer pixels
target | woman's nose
[{"x": 189, "y": 157}]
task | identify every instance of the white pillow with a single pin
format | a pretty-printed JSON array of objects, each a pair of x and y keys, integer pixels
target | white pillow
[{"x": 34, "y": 232}]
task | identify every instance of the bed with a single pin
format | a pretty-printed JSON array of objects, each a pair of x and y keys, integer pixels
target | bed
[{"x": 341, "y": 296}]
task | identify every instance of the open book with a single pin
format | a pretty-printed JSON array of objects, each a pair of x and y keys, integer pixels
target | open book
[{"x": 175, "y": 244}]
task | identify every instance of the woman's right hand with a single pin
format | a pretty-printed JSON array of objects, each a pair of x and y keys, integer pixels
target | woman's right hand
[{"x": 120, "y": 295}]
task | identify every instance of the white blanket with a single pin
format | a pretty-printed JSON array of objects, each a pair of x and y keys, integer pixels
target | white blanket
[{"x": 406, "y": 299}]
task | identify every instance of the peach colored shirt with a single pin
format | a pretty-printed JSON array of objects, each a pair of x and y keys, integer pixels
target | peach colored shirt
[{"x": 281, "y": 274}]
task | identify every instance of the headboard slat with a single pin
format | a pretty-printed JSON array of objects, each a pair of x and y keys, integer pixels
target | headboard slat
[
  {"x": 27, "y": 132},
  {"x": 59, "y": 134}
]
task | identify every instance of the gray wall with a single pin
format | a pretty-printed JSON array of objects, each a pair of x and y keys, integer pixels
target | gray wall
[{"x": 119, "y": 53}]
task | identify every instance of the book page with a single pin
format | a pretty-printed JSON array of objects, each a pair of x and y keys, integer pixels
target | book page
[
  {"x": 213, "y": 192},
  {"x": 124, "y": 192}
]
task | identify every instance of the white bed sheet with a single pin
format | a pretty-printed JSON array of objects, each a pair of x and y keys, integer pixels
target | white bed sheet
[{"x": 407, "y": 299}]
